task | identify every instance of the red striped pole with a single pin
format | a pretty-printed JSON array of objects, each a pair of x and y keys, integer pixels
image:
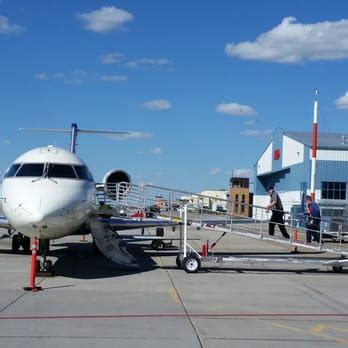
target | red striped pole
[
  {"x": 32, "y": 286},
  {"x": 314, "y": 144}
]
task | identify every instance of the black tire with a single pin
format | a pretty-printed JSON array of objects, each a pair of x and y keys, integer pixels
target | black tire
[
  {"x": 160, "y": 231},
  {"x": 337, "y": 269},
  {"x": 15, "y": 243},
  {"x": 48, "y": 265},
  {"x": 26, "y": 244},
  {"x": 157, "y": 244},
  {"x": 191, "y": 263},
  {"x": 96, "y": 250},
  {"x": 178, "y": 262}
]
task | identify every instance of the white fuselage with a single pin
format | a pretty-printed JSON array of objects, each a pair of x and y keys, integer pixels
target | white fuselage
[{"x": 50, "y": 203}]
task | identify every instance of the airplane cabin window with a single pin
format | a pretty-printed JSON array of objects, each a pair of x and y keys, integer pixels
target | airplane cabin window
[
  {"x": 83, "y": 173},
  {"x": 31, "y": 169},
  {"x": 61, "y": 171},
  {"x": 12, "y": 170}
]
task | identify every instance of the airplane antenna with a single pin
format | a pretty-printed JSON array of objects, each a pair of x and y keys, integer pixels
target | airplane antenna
[{"x": 74, "y": 131}]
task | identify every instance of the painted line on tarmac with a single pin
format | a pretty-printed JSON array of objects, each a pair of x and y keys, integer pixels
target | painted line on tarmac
[
  {"x": 168, "y": 315},
  {"x": 174, "y": 296},
  {"x": 313, "y": 333}
]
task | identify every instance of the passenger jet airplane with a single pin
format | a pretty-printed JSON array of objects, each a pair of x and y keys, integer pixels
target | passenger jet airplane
[{"x": 49, "y": 193}]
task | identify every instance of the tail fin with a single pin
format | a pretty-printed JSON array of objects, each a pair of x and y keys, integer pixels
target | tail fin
[{"x": 74, "y": 131}]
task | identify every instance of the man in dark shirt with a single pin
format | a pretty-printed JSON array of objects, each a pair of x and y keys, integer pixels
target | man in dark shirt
[
  {"x": 277, "y": 217},
  {"x": 313, "y": 220}
]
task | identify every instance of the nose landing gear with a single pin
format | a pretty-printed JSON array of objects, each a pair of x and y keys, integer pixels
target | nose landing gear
[{"x": 44, "y": 267}]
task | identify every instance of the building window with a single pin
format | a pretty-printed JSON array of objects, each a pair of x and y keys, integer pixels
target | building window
[
  {"x": 333, "y": 190},
  {"x": 243, "y": 204},
  {"x": 236, "y": 199}
]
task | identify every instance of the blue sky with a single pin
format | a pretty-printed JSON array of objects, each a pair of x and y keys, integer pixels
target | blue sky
[{"x": 202, "y": 83}]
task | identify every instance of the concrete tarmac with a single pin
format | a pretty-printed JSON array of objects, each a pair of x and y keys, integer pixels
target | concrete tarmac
[{"x": 92, "y": 303}]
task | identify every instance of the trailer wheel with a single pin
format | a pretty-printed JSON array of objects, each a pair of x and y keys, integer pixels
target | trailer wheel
[
  {"x": 157, "y": 244},
  {"x": 337, "y": 269},
  {"x": 178, "y": 262},
  {"x": 191, "y": 263}
]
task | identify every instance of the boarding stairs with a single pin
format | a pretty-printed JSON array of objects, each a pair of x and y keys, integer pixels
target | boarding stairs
[
  {"x": 216, "y": 214},
  {"x": 110, "y": 245}
]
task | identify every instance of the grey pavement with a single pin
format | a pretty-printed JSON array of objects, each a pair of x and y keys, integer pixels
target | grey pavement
[{"x": 92, "y": 303}]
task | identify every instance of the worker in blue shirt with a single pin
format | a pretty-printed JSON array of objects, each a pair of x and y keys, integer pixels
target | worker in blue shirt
[{"x": 313, "y": 220}]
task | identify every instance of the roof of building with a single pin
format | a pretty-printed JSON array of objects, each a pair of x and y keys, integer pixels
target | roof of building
[{"x": 337, "y": 141}]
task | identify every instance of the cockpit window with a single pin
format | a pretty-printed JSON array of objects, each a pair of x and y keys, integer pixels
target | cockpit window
[
  {"x": 12, "y": 170},
  {"x": 83, "y": 173},
  {"x": 31, "y": 169},
  {"x": 60, "y": 171},
  {"x": 50, "y": 170}
]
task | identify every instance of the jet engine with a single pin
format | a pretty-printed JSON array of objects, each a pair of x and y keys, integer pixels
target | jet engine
[{"x": 117, "y": 184}]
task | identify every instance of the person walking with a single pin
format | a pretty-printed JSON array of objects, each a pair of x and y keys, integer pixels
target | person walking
[
  {"x": 313, "y": 220},
  {"x": 277, "y": 217}
]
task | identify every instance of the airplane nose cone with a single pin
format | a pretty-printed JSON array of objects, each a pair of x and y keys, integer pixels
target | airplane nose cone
[{"x": 38, "y": 220}]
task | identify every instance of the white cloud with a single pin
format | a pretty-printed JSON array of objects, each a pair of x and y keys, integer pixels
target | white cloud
[
  {"x": 250, "y": 123},
  {"x": 41, "y": 76},
  {"x": 235, "y": 109},
  {"x": 46, "y": 77},
  {"x": 111, "y": 58},
  {"x": 342, "y": 102},
  {"x": 215, "y": 171},
  {"x": 114, "y": 78},
  {"x": 257, "y": 133},
  {"x": 6, "y": 27},
  {"x": 121, "y": 59},
  {"x": 105, "y": 19},
  {"x": 157, "y": 151},
  {"x": 293, "y": 42},
  {"x": 242, "y": 173},
  {"x": 157, "y": 104},
  {"x": 150, "y": 62},
  {"x": 75, "y": 76}
]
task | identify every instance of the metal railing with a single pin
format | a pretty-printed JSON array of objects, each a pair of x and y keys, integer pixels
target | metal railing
[{"x": 152, "y": 200}]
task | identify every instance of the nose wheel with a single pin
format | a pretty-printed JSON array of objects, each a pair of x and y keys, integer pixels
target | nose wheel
[{"x": 44, "y": 267}]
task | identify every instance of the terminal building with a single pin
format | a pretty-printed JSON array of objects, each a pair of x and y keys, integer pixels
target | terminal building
[
  {"x": 240, "y": 196},
  {"x": 215, "y": 200},
  {"x": 286, "y": 165}
]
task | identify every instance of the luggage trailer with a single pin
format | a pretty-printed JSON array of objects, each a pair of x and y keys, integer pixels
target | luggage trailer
[{"x": 191, "y": 260}]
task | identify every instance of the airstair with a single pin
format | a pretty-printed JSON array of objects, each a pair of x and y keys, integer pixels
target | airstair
[
  {"x": 109, "y": 244},
  {"x": 218, "y": 215}
]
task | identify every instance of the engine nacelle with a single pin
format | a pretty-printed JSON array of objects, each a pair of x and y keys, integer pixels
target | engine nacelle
[{"x": 117, "y": 184}]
